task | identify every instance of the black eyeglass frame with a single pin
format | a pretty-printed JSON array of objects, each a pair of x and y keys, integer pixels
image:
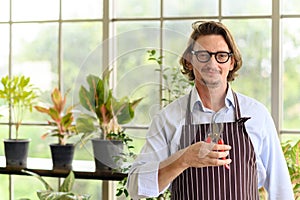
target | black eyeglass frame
[{"x": 210, "y": 55}]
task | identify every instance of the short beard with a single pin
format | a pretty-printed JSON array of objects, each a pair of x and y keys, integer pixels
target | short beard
[{"x": 210, "y": 84}]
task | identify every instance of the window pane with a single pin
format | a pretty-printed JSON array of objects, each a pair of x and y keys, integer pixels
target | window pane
[
  {"x": 176, "y": 36},
  {"x": 136, "y": 76},
  {"x": 35, "y": 10},
  {"x": 4, "y": 48},
  {"x": 291, "y": 73},
  {"x": 255, "y": 75},
  {"x": 78, "y": 41},
  {"x": 4, "y": 10},
  {"x": 136, "y": 8},
  {"x": 293, "y": 138},
  {"x": 4, "y": 185},
  {"x": 82, "y": 9},
  {"x": 35, "y": 51},
  {"x": 25, "y": 187},
  {"x": 247, "y": 7},
  {"x": 190, "y": 8},
  {"x": 290, "y": 6}
]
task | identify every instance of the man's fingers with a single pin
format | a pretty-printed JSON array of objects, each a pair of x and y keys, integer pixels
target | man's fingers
[
  {"x": 206, "y": 148},
  {"x": 215, "y": 154},
  {"x": 217, "y": 162},
  {"x": 222, "y": 162},
  {"x": 221, "y": 147}
]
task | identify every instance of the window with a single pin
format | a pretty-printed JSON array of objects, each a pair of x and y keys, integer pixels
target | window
[{"x": 57, "y": 43}]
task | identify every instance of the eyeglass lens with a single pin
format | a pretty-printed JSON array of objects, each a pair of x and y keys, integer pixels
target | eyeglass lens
[{"x": 204, "y": 56}]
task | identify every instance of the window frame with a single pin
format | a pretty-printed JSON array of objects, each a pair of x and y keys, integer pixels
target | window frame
[{"x": 108, "y": 21}]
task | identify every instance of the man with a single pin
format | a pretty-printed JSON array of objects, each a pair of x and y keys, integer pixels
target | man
[{"x": 179, "y": 151}]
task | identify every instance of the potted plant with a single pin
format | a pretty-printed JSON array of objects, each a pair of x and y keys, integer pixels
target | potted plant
[
  {"x": 64, "y": 191},
  {"x": 62, "y": 127},
  {"x": 20, "y": 96},
  {"x": 292, "y": 155},
  {"x": 105, "y": 115}
]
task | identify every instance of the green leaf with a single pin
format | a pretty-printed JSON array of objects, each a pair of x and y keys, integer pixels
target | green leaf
[
  {"x": 103, "y": 89},
  {"x": 54, "y": 114},
  {"x": 67, "y": 120},
  {"x": 20, "y": 94},
  {"x": 119, "y": 192},
  {"x": 48, "y": 195},
  {"x": 87, "y": 99},
  {"x": 68, "y": 183},
  {"x": 42, "y": 109},
  {"x": 85, "y": 123}
]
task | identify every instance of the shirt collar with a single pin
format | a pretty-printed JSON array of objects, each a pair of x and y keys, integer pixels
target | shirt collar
[{"x": 196, "y": 102}]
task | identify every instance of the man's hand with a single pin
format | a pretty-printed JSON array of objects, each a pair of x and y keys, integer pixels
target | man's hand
[{"x": 202, "y": 154}]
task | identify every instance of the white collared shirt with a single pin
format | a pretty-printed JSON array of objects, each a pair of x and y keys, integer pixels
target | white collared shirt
[{"x": 164, "y": 134}]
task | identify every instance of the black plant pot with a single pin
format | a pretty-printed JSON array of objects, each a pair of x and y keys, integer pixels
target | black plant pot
[
  {"x": 106, "y": 153},
  {"x": 62, "y": 156},
  {"x": 16, "y": 152}
]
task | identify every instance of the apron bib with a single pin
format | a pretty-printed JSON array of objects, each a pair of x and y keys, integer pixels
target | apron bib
[{"x": 219, "y": 183}]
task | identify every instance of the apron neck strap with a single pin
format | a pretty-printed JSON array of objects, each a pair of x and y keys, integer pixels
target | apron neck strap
[
  {"x": 188, "y": 114},
  {"x": 237, "y": 106},
  {"x": 188, "y": 119}
]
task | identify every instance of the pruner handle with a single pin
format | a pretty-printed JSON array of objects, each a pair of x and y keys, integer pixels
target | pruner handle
[{"x": 220, "y": 141}]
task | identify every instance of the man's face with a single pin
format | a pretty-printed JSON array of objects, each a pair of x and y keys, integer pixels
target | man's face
[{"x": 211, "y": 73}]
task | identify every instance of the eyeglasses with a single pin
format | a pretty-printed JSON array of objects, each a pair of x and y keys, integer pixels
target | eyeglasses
[{"x": 204, "y": 56}]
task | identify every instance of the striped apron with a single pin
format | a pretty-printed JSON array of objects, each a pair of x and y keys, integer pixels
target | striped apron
[{"x": 218, "y": 183}]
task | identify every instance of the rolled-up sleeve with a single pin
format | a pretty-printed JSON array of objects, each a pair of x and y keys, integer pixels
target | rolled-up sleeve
[
  {"x": 142, "y": 180},
  {"x": 143, "y": 176},
  {"x": 162, "y": 141}
]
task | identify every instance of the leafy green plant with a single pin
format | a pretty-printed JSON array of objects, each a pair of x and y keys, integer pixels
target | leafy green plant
[
  {"x": 106, "y": 115},
  {"x": 164, "y": 196},
  {"x": 64, "y": 192},
  {"x": 106, "y": 112},
  {"x": 174, "y": 83},
  {"x": 292, "y": 156},
  {"x": 126, "y": 157},
  {"x": 20, "y": 95},
  {"x": 62, "y": 117}
]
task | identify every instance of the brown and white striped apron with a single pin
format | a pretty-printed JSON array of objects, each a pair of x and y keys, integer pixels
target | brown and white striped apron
[{"x": 219, "y": 183}]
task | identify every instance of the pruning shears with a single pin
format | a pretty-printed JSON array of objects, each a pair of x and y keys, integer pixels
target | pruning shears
[{"x": 215, "y": 136}]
